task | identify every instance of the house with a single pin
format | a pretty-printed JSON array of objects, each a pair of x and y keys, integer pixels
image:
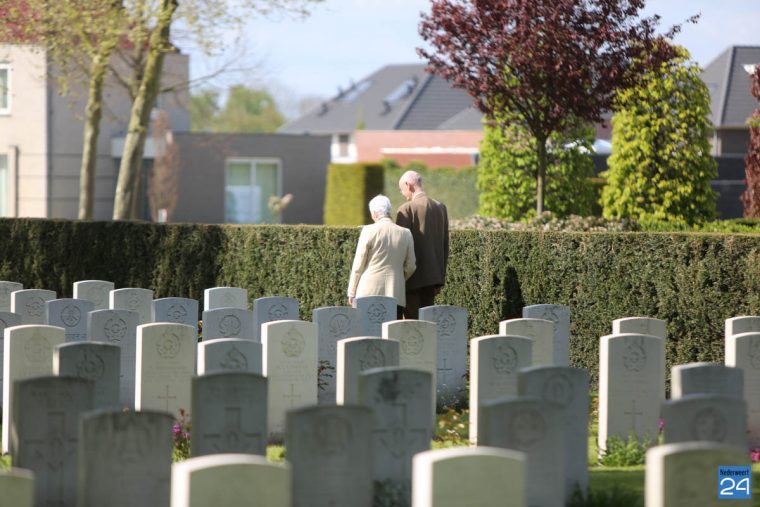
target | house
[{"x": 400, "y": 112}]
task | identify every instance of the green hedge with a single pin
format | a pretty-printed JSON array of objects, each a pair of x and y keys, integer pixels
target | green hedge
[
  {"x": 694, "y": 281},
  {"x": 349, "y": 189}
]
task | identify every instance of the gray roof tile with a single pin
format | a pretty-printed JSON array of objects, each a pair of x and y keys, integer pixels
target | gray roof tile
[{"x": 729, "y": 85}]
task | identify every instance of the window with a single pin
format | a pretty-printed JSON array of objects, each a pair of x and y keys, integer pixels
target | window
[
  {"x": 343, "y": 141},
  {"x": 249, "y": 183},
  {"x": 3, "y": 185},
  {"x": 5, "y": 88}
]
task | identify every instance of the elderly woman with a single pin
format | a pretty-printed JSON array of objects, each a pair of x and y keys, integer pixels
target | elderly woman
[{"x": 384, "y": 257}]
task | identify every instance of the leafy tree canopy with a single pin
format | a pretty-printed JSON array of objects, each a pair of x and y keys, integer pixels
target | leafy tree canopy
[{"x": 245, "y": 110}]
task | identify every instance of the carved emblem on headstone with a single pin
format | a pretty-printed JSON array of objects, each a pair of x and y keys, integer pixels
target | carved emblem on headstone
[
  {"x": 634, "y": 355},
  {"x": 133, "y": 302},
  {"x": 168, "y": 345},
  {"x": 115, "y": 329},
  {"x": 293, "y": 343},
  {"x": 228, "y": 300},
  {"x": 754, "y": 353},
  {"x": 277, "y": 312},
  {"x": 558, "y": 389},
  {"x": 389, "y": 390},
  {"x": 131, "y": 441},
  {"x": 234, "y": 360},
  {"x": 37, "y": 348},
  {"x": 91, "y": 366},
  {"x": 504, "y": 359},
  {"x": 376, "y": 313},
  {"x": 709, "y": 424},
  {"x": 97, "y": 295},
  {"x": 339, "y": 326},
  {"x": 551, "y": 313},
  {"x": 413, "y": 343},
  {"x": 331, "y": 436},
  {"x": 373, "y": 357},
  {"x": 528, "y": 428},
  {"x": 71, "y": 315},
  {"x": 229, "y": 326},
  {"x": 447, "y": 324},
  {"x": 35, "y": 306},
  {"x": 176, "y": 313}
]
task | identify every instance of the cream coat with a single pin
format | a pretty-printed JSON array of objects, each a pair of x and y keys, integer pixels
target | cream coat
[{"x": 384, "y": 260}]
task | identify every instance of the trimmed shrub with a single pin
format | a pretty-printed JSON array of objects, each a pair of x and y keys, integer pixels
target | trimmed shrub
[{"x": 349, "y": 189}]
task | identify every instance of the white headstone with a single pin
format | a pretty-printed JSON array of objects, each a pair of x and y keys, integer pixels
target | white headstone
[
  {"x": 7, "y": 319},
  {"x": 133, "y": 299},
  {"x": 225, "y": 297},
  {"x": 743, "y": 352},
  {"x": 705, "y": 417},
  {"x": 30, "y": 304},
  {"x": 71, "y": 315},
  {"x": 333, "y": 323},
  {"x": 631, "y": 386},
  {"x": 469, "y": 476},
  {"x": 744, "y": 324},
  {"x": 270, "y": 309},
  {"x": 356, "y": 355},
  {"x": 118, "y": 327},
  {"x": 223, "y": 480},
  {"x": 230, "y": 354},
  {"x": 28, "y": 352},
  {"x": 560, "y": 315},
  {"x": 176, "y": 310},
  {"x": 706, "y": 378},
  {"x": 94, "y": 290},
  {"x": 494, "y": 363},
  {"x": 686, "y": 474},
  {"x": 5, "y": 294},
  {"x": 540, "y": 331},
  {"x": 451, "y": 375},
  {"x": 290, "y": 365},
  {"x": 228, "y": 323},
  {"x": 640, "y": 325},
  {"x": 17, "y": 486},
  {"x": 96, "y": 361},
  {"x": 373, "y": 311},
  {"x": 165, "y": 364}
]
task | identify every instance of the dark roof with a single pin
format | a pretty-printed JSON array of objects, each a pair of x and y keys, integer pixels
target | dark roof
[
  {"x": 729, "y": 84},
  {"x": 467, "y": 119},
  {"x": 396, "y": 97}
]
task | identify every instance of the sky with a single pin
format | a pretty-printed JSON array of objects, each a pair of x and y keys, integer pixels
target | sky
[{"x": 346, "y": 40}]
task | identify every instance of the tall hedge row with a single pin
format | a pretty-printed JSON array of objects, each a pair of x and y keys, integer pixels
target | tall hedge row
[
  {"x": 693, "y": 281},
  {"x": 349, "y": 189}
]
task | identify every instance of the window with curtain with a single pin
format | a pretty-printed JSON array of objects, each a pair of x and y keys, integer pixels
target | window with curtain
[
  {"x": 5, "y": 88},
  {"x": 249, "y": 183}
]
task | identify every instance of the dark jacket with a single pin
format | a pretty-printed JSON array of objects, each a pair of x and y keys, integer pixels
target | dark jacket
[{"x": 429, "y": 222}]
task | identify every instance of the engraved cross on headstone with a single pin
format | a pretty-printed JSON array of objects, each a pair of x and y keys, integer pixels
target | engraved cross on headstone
[
  {"x": 167, "y": 397},
  {"x": 444, "y": 372},
  {"x": 292, "y": 396},
  {"x": 633, "y": 413},
  {"x": 398, "y": 438},
  {"x": 52, "y": 451},
  {"x": 233, "y": 438}
]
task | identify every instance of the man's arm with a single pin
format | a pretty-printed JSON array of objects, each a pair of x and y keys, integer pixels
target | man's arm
[
  {"x": 410, "y": 261},
  {"x": 404, "y": 216}
]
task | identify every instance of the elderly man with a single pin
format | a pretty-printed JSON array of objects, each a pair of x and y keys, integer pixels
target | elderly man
[
  {"x": 429, "y": 222},
  {"x": 384, "y": 257}
]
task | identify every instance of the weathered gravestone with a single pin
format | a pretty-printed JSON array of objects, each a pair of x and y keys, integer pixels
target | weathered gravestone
[
  {"x": 534, "y": 427},
  {"x": 478, "y": 476},
  {"x": 96, "y": 291},
  {"x": 28, "y": 352},
  {"x": 224, "y": 480},
  {"x": 30, "y": 304},
  {"x": 225, "y": 297},
  {"x": 229, "y": 414},
  {"x": 230, "y": 354},
  {"x": 132, "y": 299},
  {"x": 494, "y": 363},
  {"x": 373, "y": 312},
  {"x": 176, "y": 310},
  {"x": 560, "y": 316},
  {"x": 743, "y": 352},
  {"x": 270, "y": 309},
  {"x": 451, "y": 329},
  {"x": 165, "y": 364},
  {"x": 290, "y": 365},
  {"x": 17, "y": 487},
  {"x": 640, "y": 325},
  {"x": 568, "y": 388},
  {"x": 118, "y": 327},
  {"x": 71, "y": 315},
  {"x": 228, "y": 323},
  {"x": 417, "y": 347},
  {"x": 631, "y": 387},
  {"x": 333, "y": 323},
  {"x": 98, "y": 362},
  {"x": 356, "y": 355},
  {"x": 7, "y": 319},
  {"x": 686, "y": 474},
  {"x": 125, "y": 458},
  {"x": 403, "y": 425},
  {"x": 540, "y": 331},
  {"x": 6, "y": 288},
  {"x": 706, "y": 378},
  {"x": 741, "y": 325},
  {"x": 705, "y": 417},
  {"x": 329, "y": 450},
  {"x": 45, "y": 434}
]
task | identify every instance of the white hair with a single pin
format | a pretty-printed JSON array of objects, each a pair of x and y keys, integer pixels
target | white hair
[
  {"x": 380, "y": 205},
  {"x": 412, "y": 177}
]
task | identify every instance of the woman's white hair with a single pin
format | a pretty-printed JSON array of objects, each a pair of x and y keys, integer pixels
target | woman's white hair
[{"x": 380, "y": 205}]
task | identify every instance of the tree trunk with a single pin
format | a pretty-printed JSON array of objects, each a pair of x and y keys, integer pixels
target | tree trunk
[
  {"x": 128, "y": 184},
  {"x": 93, "y": 114},
  {"x": 540, "y": 175}
]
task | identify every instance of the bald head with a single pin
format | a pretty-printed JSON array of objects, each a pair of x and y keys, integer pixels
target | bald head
[{"x": 410, "y": 183}]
